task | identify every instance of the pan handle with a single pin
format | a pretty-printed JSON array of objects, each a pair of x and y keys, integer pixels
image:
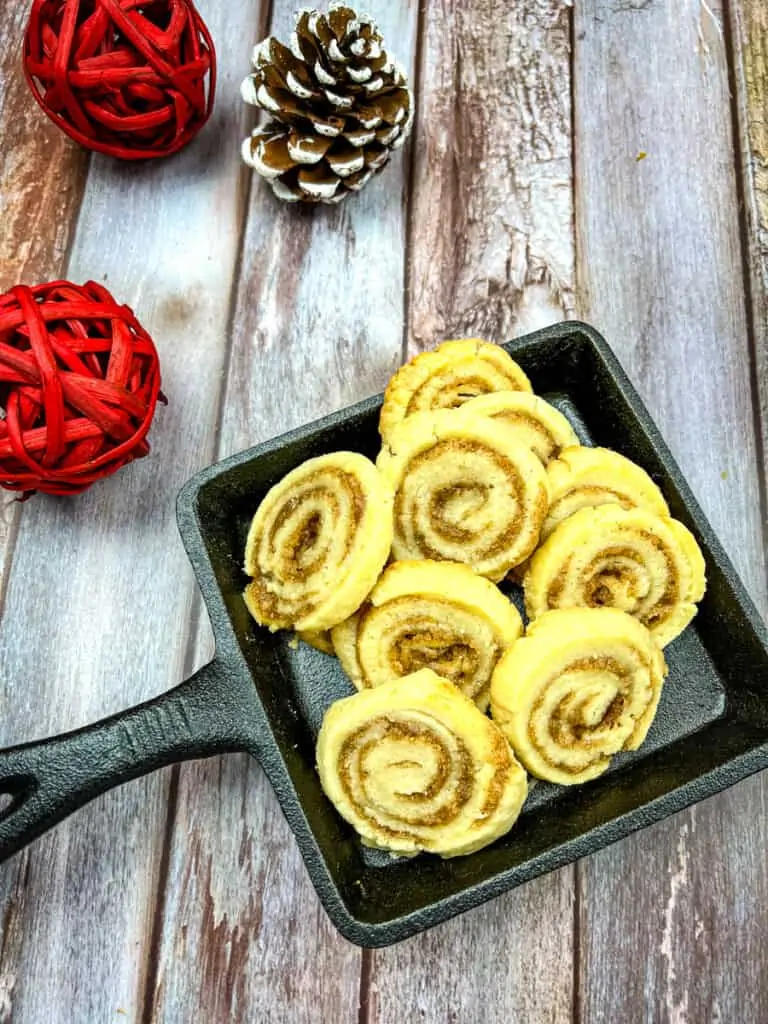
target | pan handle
[{"x": 43, "y": 782}]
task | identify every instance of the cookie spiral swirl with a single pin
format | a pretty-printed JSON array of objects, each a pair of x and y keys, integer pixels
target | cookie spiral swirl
[
  {"x": 466, "y": 490},
  {"x": 539, "y": 425},
  {"x": 588, "y": 477},
  {"x": 318, "y": 543},
  {"x": 582, "y": 685},
  {"x": 649, "y": 566},
  {"x": 437, "y": 615},
  {"x": 447, "y": 377},
  {"x": 414, "y": 766}
]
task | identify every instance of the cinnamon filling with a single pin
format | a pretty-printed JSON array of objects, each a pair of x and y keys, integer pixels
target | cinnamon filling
[
  {"x": 452, "y": 777},
  {"x": 564, "y": 727}
]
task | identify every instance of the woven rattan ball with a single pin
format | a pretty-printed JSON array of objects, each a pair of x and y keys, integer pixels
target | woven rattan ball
[
  {"x": 79, "y": 384},
  {"x": 134, "y": 79}
]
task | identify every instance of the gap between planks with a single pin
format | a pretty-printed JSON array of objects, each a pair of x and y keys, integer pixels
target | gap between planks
[
  {"x": 491, "y": 253},
  {"x": 281, "y": 332},
  {"x": 745, "y": 33},
  {"x": 410, "y": 225},
  {"x": 245, "y": 185},
  {"x": 662, "y": 261},
  {"x": 42, "y": 179}
]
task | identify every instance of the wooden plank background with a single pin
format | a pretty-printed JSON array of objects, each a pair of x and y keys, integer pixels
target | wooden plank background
[
  {"x": 491, "y": 254},
  {"x": 686, "y": 899},
  {"x": 606, "y": 159},
  {"x": 748, "y": 29},
  {"x": 42, "y": 175}
]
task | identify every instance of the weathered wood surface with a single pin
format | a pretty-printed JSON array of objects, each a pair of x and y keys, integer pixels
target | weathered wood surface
[
  {"x": 41, "y": 182},
  {"x": 672, "y": 920},
  {"x": 183, "y": 897},
  {"x": 491, "y": 254},
  {"x": 492, "y": 208},
  {"x": 318, "y": 324},
  {"x": 100, "y": 591},
  {"x": 749, "y": 35},
  {"x": 41, "y": 172}
]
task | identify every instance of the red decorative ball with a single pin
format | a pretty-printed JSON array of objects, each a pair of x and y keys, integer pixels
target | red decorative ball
[
  {"x": 79, "y": 384},
  {"x": 123, "y": 77}
]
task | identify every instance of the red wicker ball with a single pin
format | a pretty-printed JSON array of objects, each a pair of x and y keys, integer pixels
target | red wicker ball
[
  {"x": 135, "y": 79},
  {"x": 79, "y": 384}
]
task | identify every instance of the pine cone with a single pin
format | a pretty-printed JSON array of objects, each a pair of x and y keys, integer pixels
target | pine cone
[{"x": 339, "y": 106}]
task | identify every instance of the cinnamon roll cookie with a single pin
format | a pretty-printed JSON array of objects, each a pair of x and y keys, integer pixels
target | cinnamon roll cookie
[
  {"x": 427, "y": 614},
  {"x": 318, "y": 543},
  {"x": 319, "y": 639},
  {"x": 582, "y": 685},
  {"x": 414, "y": 766},
  {"x": 447, "y": 377},
  {"x": 588, "y": 477},
  {"x": 647, "y": 565},
  {"x": 539, "y": 425},
  {"x": 466, "y": 490}
]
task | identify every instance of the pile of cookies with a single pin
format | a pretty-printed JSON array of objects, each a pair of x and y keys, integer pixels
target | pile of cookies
[{"x": 394, "y": 569}]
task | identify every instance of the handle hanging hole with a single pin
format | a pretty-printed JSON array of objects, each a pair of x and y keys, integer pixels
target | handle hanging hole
[{"x": 13, "y": 792}]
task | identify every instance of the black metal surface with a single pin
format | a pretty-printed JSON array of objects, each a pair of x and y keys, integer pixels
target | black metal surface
[
  {"x": 267, "y": 697},
  {"x": 212, "y": 712}
]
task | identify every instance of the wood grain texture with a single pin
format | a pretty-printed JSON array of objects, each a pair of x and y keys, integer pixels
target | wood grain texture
[
  {"x": 749, "y": 36},
  {"x": 318, "y": 323},
  {"x": 672, "y": 921},
  {"x": 492, "y": 206},
  {"x": 492, "y": 252},
  {"x": 99, "y": 598},
  {"x": 42, "y": 175},
  {"x": 41, "y": 171},
  {"x": 509, "y": 961}
]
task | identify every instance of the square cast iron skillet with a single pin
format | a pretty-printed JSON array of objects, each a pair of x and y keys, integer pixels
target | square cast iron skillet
[{"x": 263, "y": 696}]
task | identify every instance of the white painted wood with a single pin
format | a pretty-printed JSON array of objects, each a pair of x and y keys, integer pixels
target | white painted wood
[
  {"x": 492, "y": 197},
  {"x": 492, "y": 253},
  {"x": 672, "y": 920},
  {"x": 98, "y": 604},
  {"x": 42, "y": 172},
  {"x": 42, "y": 175},
  {"x": 749, "y": 32},
  {"x": 318, "y": 324}
]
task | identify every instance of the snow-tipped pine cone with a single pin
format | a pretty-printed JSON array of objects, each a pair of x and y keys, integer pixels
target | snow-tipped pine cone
[{"x": 338, "y": 106}]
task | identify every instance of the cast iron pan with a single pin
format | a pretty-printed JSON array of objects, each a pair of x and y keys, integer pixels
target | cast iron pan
[{"x": 263, "y": 696}]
